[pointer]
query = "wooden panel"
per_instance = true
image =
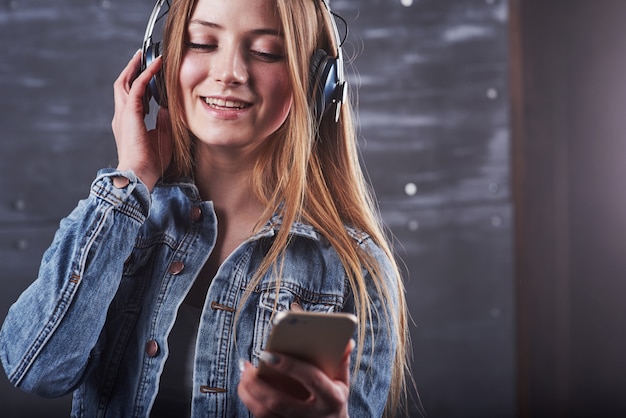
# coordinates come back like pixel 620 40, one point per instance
pixel 569 145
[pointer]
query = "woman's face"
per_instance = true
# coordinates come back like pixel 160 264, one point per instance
pixel 234 77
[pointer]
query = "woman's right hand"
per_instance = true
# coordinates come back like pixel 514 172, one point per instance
pixel 146 153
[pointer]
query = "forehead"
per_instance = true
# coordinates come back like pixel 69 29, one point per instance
pixel 242 15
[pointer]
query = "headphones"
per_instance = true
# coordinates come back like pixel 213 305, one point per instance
pixel 149 52
pixel 326 76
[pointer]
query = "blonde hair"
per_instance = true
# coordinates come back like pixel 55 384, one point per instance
pixel 308 172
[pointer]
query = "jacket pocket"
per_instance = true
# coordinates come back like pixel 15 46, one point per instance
pixel 273 300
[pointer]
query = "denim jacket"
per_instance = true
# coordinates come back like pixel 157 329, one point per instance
pixel 97 318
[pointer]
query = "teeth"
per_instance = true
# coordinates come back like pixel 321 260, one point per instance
pixel 224 103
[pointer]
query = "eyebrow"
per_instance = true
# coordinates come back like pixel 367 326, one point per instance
pixel 259 31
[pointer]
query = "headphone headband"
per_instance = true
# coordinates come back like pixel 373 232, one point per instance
pixel 339 89
pixel 147 38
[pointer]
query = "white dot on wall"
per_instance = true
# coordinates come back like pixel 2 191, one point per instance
pixel 410 189
pixel 492 93
pixel 406 3
pixel 496 221
pixel 19 205
pixel 413 225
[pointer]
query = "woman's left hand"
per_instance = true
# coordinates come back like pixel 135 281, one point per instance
pixel 328 397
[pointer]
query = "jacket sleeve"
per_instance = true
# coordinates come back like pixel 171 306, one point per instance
pixel 49 332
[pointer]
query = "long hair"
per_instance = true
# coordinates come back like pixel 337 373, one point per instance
pixel 308 172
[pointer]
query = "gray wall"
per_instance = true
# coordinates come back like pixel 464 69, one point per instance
pixel 432 90
pixel 434 117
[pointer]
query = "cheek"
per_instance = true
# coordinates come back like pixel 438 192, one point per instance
pixel 190 73
pixel 282 95
pixel 282 107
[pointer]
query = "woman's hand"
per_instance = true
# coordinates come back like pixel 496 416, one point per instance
pixel 327 397
pixel 146 153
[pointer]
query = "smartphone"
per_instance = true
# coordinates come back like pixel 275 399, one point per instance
pixel 319 338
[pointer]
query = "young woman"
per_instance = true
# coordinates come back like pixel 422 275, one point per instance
pixel 157 293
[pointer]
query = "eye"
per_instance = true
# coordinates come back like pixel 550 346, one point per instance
pixel 267 56
pixel 200 47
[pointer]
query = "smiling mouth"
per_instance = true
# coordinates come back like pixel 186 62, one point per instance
pixel 225 104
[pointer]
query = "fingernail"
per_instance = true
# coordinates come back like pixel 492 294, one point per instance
pixel 138 51
pixel 269 358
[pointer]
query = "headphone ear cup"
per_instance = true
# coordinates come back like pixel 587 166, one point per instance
pixel 322 81
pixel 156 87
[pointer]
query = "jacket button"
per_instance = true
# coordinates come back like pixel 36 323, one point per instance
pixel 176 267
pixel 196 213
pixel 152 348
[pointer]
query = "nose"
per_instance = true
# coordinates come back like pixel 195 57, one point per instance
pixel 230 66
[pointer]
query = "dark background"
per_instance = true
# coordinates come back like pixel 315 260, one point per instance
pixel 492 131
pixel 569 147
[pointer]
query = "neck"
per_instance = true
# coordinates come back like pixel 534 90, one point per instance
pixel 226 180
pixel 227 183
